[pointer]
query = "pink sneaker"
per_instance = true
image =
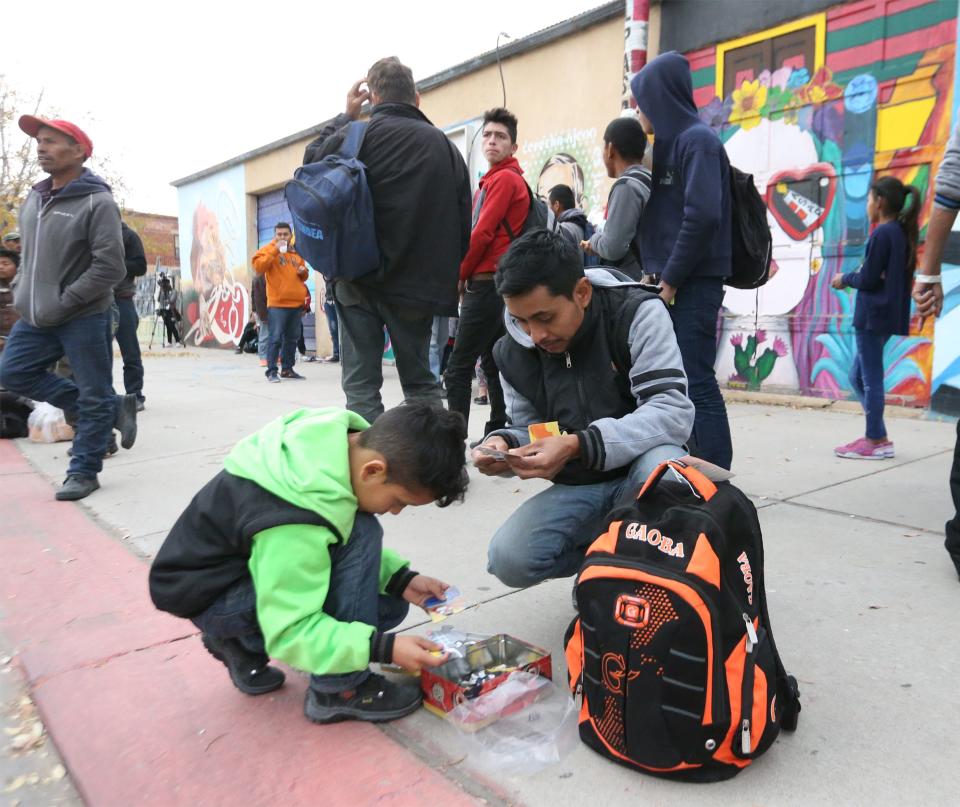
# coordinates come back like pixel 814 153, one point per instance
pixel 864 449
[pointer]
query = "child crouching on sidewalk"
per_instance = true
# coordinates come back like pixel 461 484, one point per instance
pixel 280 554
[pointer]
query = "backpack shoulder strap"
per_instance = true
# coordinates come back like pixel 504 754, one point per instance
pixel 353 139
pixel 506 224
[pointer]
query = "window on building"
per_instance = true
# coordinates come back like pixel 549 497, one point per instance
pixel 795 49
pixel 176 246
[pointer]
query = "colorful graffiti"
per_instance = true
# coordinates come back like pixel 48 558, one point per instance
pixel 861 90
pixel 216 277
pixel 570 158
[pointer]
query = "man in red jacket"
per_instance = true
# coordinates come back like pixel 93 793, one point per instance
pixel 499 210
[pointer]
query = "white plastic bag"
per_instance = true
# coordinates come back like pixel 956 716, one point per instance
pixel 48 425
pixel 534 725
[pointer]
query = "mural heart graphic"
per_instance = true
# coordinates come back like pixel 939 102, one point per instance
pixel 800 199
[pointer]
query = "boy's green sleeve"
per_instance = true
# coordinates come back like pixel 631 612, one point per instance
pixel 390 564
pixel 290 566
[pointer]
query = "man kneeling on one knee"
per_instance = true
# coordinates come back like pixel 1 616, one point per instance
pixel 597 353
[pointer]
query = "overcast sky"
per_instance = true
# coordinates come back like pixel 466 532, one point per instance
pixel 168 88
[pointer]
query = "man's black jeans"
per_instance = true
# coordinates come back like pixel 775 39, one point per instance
pixel 481 325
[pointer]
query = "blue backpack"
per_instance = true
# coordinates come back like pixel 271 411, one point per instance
pixel 332 211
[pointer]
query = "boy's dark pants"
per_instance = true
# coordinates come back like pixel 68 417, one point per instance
pixel 353 596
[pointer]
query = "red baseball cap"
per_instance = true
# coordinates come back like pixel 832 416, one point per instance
pixel 32 124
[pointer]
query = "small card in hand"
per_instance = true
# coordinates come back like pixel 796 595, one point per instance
pixel 452 603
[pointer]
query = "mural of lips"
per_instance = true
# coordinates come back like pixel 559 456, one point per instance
pixel 800 199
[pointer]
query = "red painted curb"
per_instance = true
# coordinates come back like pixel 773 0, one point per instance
pixel 142 715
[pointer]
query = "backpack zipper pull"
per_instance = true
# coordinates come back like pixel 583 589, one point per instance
pixel 752 640
pixel 745 745
pixel 567 357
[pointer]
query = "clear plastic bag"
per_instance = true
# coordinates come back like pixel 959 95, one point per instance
pixel 48 425
pixel 528 724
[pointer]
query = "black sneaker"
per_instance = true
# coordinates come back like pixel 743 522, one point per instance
pixel 76 487
pixel 126 421
pixel 376 700
pixel 250 672
pixel 141 404
pixel 273 378
pixel 292 374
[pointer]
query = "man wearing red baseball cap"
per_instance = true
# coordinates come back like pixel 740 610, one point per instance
pixel 72 258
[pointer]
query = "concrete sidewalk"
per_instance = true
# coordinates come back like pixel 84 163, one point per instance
pixel 862 596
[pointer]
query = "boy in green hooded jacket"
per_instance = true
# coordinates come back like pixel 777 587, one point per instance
pixel 280 555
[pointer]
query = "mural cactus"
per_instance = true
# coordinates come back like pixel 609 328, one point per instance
pixel 752 369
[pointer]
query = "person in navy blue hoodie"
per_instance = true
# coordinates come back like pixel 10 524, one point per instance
pixel 883 286
pixel 685 236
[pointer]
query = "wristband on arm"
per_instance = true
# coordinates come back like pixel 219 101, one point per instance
pixel 927 278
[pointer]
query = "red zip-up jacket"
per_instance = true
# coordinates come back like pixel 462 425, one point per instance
pixel 502 195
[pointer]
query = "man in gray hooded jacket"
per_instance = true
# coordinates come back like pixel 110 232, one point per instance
pixel 596 353
pixel 72 259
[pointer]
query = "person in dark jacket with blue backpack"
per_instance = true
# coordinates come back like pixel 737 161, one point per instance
pixel 685 236
pixel 422 214
pixel 883 304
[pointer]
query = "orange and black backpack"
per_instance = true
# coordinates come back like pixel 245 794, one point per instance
pixel 672 650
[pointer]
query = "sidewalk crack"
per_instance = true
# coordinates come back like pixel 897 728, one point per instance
pixel 100 662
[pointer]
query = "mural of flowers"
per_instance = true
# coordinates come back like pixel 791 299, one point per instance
pixel 748 102
pixel 820 88
pixel 752 369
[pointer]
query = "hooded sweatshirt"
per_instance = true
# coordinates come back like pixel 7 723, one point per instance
pixel 685 229
pixel 302 459
pixel 285 287
pixel 72 251
pixel 572 225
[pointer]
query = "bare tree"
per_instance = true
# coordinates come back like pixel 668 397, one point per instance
pixel 19 169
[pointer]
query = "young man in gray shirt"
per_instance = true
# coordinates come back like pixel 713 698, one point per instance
pixel 618 244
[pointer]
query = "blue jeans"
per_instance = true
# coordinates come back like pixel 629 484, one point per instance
pixel 866 378
pixel 352 596
pixel 87 398
pixel 330 309
pixel 439 334
pixel 130 347
pixel 548 534
pixel 263 339
pixel 694 313
pixel 284 325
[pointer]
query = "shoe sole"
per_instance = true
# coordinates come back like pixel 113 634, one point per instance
pixel 246 689
pixel 854 456
pixel 328 714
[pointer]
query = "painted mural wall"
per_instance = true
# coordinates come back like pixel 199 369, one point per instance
pixel 816 109
pixel 213 248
